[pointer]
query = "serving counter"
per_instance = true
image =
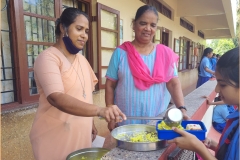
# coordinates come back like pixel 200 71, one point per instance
pixel 196 108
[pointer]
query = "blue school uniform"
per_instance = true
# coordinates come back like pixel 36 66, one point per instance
pixel 203 75
pixel 220 113
pixel 214 62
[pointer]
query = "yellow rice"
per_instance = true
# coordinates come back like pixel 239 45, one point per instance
pixel 163 126
pixel 139 137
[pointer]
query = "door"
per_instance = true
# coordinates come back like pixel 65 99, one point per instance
pixel 165 36
pixel 108 38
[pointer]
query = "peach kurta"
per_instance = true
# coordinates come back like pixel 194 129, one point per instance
pixel 56 134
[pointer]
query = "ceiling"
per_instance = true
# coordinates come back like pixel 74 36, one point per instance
pixel 215 18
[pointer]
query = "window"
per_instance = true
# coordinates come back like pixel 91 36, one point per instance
pixel 200 51
pixel 109 33
pixel 184 54
pixel 39 27
pixel 8 79
pixel 194 55
pixel 201 34
pixel 167 12
pixel 157 37
pixel 28 28
pixel 121 32
pixel 160 7
pixel 186 24
pixel 176 45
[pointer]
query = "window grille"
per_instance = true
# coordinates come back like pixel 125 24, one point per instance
pixel 187 25
pixel 8 80
pixel 201 34
pixel 160 7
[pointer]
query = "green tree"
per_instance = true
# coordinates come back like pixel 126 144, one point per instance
pixel 223 45
pixel 236 38
pixel 213 44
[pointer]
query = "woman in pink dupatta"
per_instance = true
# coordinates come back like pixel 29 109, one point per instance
pixel 142 75
pixel 65 81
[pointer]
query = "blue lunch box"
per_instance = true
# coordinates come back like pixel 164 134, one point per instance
pixel 170 134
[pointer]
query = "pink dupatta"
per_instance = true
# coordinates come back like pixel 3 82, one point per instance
pixel 163 67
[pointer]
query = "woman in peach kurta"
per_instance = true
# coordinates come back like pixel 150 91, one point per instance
pixel 54 130
pixel 65 81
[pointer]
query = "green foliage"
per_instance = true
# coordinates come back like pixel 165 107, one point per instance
pixel 236 38
pixel 221 46
pixel 236 41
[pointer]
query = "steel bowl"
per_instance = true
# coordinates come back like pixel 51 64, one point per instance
pixel 173 117
pixel 137 146
pixel 88 154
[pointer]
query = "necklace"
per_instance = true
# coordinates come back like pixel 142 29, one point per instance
pixel 82 84
pixel 144 53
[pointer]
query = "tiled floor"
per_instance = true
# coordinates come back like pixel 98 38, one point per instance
pixel 101 125
pixel 15 128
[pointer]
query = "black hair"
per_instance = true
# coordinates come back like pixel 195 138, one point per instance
pixel 228 66
pixel 67 17
pixel 214 54
pixel 143 9
pixel 205 52
pixel 217 55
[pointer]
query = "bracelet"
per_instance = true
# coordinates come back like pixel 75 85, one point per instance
pixel 182 107
pixel 109 105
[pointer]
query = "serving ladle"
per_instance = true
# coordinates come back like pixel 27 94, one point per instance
pixel 173 117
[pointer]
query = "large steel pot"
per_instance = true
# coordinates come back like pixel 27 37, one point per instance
pixel 88 154
pixel 137 146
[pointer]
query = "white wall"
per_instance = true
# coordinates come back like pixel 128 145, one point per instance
pixel 127 13
pixel 128 10
pixel 207 118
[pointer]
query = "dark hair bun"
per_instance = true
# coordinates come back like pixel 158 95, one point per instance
pixel 67 17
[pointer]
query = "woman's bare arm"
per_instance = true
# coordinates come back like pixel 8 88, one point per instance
pixel 174 88
pixel 71 105
pixel 109 91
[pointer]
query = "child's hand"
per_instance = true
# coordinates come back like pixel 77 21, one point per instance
pixel 187 141
pixel 207 99
pixel 204 96
pixel 207 142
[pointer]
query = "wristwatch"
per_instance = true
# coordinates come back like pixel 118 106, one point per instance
pixel 182 107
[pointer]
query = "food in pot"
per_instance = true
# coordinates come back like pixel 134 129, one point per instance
pixel 86 158
pixel 142 136
pixel 193 127
pixel 163 125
